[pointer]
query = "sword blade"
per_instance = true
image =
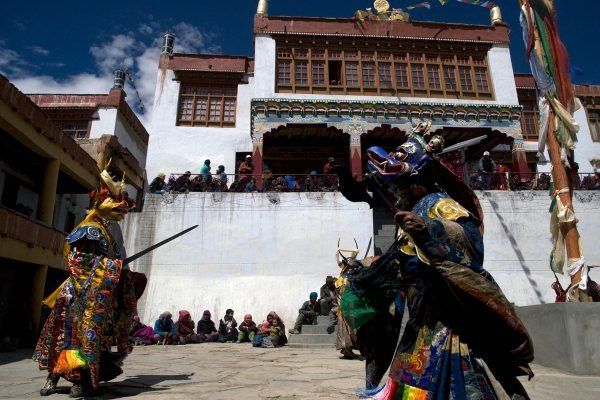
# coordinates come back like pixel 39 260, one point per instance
pixel 157 245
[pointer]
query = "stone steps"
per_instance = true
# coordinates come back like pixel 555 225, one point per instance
pixel 313 335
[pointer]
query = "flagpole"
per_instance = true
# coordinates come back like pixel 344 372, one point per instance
pixel 562 188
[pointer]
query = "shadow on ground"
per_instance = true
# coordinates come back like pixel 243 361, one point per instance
pixel 139 384
pixel 7 357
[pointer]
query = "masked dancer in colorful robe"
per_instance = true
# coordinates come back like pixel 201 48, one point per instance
pixel 463 339
pixel 93 309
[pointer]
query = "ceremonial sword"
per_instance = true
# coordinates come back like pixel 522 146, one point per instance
pixel 50 300
pixel 157 245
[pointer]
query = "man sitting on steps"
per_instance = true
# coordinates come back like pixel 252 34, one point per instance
pixel 308 314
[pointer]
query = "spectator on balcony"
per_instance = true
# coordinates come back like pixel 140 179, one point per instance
pixel 220 180
pixel 487 166
pixel 251 186
pixel 228 328
pixel 158 184
pixel 503 177
pixel 327 296
pixel 247 330
pixel 329 166
pixel 308 313
pixel 183 183
pixel 292 184
pixel 543 182
pixel 205 171
pixel 207 329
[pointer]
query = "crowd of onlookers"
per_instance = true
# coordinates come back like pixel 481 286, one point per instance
pixel 487 175
pixel 492 175
pixel 245 180
pixel 166 331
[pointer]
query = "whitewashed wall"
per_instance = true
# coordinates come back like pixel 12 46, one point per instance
pixel 586 150
pixel 253 253
pixel 261 252
pixel 517 241
pixel 176 149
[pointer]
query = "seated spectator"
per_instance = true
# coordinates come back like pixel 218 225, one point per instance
pixel 220 179
pixel 327 295
pixel 164 328
pixel 291 183
pixel 140 333
pixel 206 328
pixel 197 184
pixel 184 329
pixel 273 330
pixel 227 328
pixel 158 184
pixel 329 166
pixel 307 315
pixel 183 183
pixel 247 330
pixel 246 166
pixel 251 186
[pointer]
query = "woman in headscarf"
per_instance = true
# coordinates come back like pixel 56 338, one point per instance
pixel 207 329
pixel 227 328
pixel 164 328
pixel 271 333
pixel 248 330
pixel 184 329
pixel 140 333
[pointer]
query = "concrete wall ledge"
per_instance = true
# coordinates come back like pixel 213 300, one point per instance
pixel 566 336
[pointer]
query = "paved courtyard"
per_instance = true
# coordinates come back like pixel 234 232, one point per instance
pixel 230 371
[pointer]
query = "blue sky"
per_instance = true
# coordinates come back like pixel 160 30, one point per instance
pixel 62 46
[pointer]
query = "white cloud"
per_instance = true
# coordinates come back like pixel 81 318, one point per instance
pixel 40 51
pixel 139 55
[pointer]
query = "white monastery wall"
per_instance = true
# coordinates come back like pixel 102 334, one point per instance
pixel 105 124
pixel 586 149
pixel 517 241
pixel 254 253
pixel 502 75
pixel 261 252
pixel 176 149
pixel 129 139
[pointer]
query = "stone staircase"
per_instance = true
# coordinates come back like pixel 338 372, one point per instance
pixel 383 230
pixel 313 335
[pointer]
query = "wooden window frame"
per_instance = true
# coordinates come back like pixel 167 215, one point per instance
pixel 220 123
pixel 405 55
pixel 73 133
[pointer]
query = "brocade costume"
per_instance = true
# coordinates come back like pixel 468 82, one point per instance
pixel 458 316
pixel 93 309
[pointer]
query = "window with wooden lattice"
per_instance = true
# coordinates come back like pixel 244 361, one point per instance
pixel 207 105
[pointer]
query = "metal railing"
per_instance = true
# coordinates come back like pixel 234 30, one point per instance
pixel 267 182
pixel 532 181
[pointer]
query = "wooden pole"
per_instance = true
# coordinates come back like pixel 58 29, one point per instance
pixel 561 181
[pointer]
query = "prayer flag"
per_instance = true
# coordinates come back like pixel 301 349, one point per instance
pixel 424 4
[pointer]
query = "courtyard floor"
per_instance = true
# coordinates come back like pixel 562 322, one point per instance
pixel 231 371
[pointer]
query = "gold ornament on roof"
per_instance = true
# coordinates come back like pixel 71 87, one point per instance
pixel 382 6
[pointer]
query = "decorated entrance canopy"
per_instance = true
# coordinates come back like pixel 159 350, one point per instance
pixel 359 117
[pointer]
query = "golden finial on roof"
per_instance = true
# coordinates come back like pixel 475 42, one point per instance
pixel 496 15
pixel 262 7
pixel 382 6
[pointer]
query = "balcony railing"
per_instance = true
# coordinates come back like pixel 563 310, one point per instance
pixel 268 183
pixel 252 183
pixel 533 181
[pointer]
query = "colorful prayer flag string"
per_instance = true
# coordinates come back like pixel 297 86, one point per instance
pixel 424 4
pixel 486 4
pixel 130 76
